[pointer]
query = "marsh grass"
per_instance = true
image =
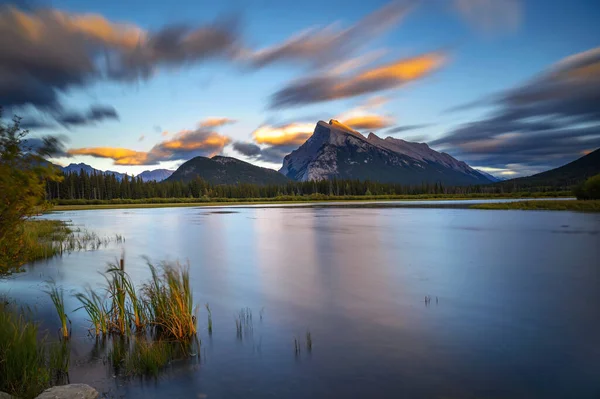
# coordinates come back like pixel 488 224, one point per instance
pixel 209 318
pixel 96 310
pixel 243 322
pixel 308 341
pixel 27 366
pixel 143 356
pixel 43 239
pixel 57 296
pixel 170 302
pixel 163 306
pixel 541 205
pixel 296 346
pixel 59 358
pixel 117 295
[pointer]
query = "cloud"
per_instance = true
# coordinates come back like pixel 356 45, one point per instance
pixel 248 149
pixel 285 135
pixel 53 146
pixel 183 146
pixel 364 117
pixel 324 88
pixel 96 113
pixel 545 122
pixel 491 15
pixel 405 128
pixel 216 122
pixel 272 154
pixel 331 44
pixel 46 52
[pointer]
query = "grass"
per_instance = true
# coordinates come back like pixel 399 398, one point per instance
pixel 164 305
pixel 170 301
pixel 140 357
pixel 96 310
pixel 43 239
pixel 57 296
pixel 27 366
pixel 69 205
pixel 243 322
pixel 565 205
pixel 209 313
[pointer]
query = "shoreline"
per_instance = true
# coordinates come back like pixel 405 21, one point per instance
pixel 516 203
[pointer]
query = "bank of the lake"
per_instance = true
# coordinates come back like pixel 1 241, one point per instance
pixel 78 205
pixel 543 205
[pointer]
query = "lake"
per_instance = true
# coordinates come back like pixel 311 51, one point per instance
pixel 515 309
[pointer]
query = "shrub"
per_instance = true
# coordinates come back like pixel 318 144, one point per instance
pixel 589 190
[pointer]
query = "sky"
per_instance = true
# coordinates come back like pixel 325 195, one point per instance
pixel 511 87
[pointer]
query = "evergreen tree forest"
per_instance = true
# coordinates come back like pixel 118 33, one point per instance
pixel 106 187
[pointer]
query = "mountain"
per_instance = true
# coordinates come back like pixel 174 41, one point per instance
pixel 491 177
pixel 77 167
pixel 155 175
pixel 566 176
pixel 226 170
pixel 335 150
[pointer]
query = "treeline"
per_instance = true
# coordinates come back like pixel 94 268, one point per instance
pixel 96 186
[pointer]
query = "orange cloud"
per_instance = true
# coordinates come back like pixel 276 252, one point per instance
pixel 121 156
pixel 395 73
pixel 364 116
pixel 291 134
pixel 44 24
pixel 368 122
pixel 324 88
pixel 184 145
pixel 216 122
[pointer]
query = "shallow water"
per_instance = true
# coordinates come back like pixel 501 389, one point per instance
pixel 517 313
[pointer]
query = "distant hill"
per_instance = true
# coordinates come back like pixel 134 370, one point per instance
pixel 155 175
pixel 226 170
pixel 77 167
pixel 336 151
pixel 566 176
pixel 490 177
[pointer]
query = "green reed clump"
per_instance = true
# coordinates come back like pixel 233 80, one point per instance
pixel 148 357
pixel 170 301
pixel 117 295
pixel 26 367
pixel 57 296
pixel 209 318
pixel 243 322
pixel 96 310
pixel 164 304
pixel 308 341
pixel 137 308
pixel 142 357
pixel 59 358
pixel 296 346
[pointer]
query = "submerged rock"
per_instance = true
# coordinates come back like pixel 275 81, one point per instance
pixel 73 391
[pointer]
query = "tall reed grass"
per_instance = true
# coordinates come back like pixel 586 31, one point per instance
pixel 27 366
pixel 164 305
pixel 170 301
pixel 57 297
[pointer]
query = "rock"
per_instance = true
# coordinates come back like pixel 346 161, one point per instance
pixel 4 395
pixel 73 391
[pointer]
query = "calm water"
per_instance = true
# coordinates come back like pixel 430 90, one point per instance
pixel 518 311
